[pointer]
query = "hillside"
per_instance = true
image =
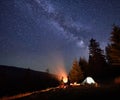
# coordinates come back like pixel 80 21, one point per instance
pixel 14 80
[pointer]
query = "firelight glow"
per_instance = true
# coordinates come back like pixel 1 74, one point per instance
pixel 62 73
pixel 59 67
pixel 65 80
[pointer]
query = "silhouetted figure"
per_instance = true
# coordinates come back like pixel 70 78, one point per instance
pixel 68 82
pixel 61 83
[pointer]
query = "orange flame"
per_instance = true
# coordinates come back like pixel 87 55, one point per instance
pixel 65 80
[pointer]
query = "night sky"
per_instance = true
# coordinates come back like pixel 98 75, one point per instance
pixel 41 34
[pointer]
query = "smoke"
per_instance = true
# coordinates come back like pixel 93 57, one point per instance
pixel 58 67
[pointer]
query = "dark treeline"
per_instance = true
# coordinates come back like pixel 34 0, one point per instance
pixel 102 65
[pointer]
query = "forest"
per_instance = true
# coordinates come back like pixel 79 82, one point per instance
pixel 102 65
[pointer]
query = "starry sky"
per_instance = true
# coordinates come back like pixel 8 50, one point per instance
pixel 41 34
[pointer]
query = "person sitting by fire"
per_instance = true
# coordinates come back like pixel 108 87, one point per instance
pixel 62 84
pixel 68 80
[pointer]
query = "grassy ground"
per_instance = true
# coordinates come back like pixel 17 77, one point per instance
pixel 76 93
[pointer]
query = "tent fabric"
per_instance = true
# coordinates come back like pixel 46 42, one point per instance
pixel 88 80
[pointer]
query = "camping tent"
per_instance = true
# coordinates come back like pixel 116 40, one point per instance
pixel 88 80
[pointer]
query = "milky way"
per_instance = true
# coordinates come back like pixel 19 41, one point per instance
pixel 33 33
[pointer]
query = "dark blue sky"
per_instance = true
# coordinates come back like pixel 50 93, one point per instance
pixel 40 34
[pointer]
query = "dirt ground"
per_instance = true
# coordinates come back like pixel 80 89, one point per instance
pixel 76 93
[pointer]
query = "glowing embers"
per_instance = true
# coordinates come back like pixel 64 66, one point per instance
pixel 75 84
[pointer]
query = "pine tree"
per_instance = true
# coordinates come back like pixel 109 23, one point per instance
pixel 113 49
pixel 84 66
pixel 75 74
pixel 97 61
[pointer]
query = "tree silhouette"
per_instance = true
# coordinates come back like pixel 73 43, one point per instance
pixel 113 49
pixel 84 66
pixel 75 74
pixel 97 62
pixel 113 52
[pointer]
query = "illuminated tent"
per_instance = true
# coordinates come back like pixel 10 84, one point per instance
pixel 88 80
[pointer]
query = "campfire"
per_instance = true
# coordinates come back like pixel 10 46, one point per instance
pixel 63 82
pixel 62 76
pixel 65 79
